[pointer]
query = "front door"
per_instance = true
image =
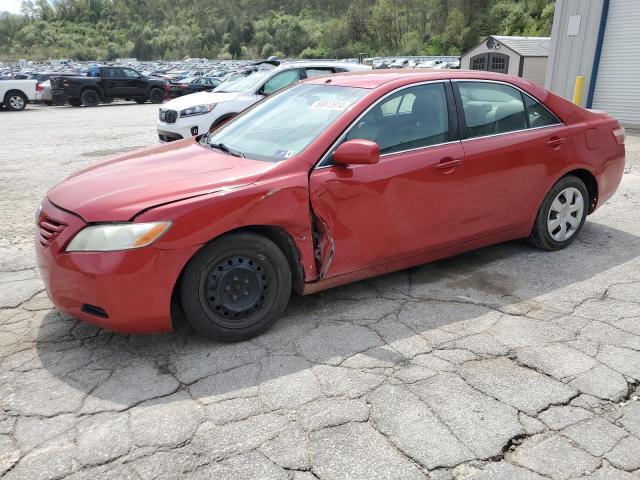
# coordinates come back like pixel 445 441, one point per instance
pixel 131 83
pixel 512 145
pixel 406 204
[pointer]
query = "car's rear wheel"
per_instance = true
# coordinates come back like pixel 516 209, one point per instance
pixel 236 287
pixel 561 215
pixel 90 98
pixel 16 101
pixel 156 95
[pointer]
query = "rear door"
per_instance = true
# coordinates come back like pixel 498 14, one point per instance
pixel 110 81
pixel 512 146
pixel 406 204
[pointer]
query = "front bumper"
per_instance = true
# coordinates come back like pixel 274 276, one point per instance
pixel 182 128
pixel 127 291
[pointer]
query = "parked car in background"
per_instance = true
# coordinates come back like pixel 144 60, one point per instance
pixel 197 113
pixel 322 184
pixel 43 87
pixel 103 84
pixel 16 94
pixel 191 85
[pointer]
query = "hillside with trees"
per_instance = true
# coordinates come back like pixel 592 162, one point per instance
pixel 174 29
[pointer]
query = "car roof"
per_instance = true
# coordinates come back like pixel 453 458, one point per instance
pixel 376 78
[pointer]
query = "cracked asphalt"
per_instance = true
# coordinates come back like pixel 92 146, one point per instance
pixel 502 364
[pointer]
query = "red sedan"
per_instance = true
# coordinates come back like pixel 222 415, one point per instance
pixel 327 182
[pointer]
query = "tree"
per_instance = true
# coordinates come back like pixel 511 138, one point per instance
pixel 171 29
pixel 235 48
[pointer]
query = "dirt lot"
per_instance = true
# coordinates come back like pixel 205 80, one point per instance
pixel 505 363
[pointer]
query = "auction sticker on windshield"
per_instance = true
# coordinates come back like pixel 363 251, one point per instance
pixel 329 105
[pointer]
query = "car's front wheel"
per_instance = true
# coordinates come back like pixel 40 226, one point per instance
pixel 561 215
pixel 236 287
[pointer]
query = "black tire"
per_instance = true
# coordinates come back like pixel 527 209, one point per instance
pixel 156 95
pixel 90 98
pixel 15 101
pixel 236 287
pixel 541 237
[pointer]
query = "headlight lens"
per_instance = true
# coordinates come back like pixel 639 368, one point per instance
pixel 117 236
pixel 197 110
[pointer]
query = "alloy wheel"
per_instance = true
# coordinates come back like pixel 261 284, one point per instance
pixel 16 102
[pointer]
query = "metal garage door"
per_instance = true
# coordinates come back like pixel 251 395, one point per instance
pixel 618 83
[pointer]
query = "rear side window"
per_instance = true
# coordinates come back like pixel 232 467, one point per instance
pixel 539 116
pixel 491 108
pixel 318 72
pixel 281 80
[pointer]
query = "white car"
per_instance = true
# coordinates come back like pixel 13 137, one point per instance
pixel 198 113
pixel 15 94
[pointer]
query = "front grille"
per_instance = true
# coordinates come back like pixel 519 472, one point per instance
pixel 48 230
pixel 168 116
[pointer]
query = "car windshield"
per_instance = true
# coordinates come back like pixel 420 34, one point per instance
pixel 284 124
pixel 242 81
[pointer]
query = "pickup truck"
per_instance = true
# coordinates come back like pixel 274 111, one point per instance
pixel 15 94
pixel 103 84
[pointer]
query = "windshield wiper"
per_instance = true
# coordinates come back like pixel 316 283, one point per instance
pixel 223 148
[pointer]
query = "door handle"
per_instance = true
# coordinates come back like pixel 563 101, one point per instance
pixel 556 142
pixel 448 163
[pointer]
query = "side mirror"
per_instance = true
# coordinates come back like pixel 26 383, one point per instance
pixel 357 152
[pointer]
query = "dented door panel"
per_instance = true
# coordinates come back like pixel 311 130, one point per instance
pixel 368 215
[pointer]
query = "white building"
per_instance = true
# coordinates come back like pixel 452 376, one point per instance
pixel 522 56
pixel 600 40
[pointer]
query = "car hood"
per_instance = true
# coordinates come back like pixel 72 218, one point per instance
pixel 199 98
pixel 119 188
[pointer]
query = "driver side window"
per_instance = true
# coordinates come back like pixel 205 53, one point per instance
pixel 414 117
pixel 129 73
pixel 280 80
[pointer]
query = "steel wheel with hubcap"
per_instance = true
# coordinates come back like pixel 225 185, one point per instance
pixel 561 214
pixel 236 287
pixel 565 214
pixel 16 102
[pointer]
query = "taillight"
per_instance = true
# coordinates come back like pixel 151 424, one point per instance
pixel 619 134
pixel 39 87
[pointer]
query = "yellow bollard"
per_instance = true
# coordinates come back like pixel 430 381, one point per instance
pixel 577 90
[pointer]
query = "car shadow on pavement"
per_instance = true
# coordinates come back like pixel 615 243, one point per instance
pixel 339 341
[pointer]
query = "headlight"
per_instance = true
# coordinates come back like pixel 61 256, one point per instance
pixel 197 110
pixel 117 236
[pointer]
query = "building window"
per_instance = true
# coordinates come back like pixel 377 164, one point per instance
pixel 479 62
pixel 497 63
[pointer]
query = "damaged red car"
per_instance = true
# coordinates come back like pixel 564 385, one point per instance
pixel 327 182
